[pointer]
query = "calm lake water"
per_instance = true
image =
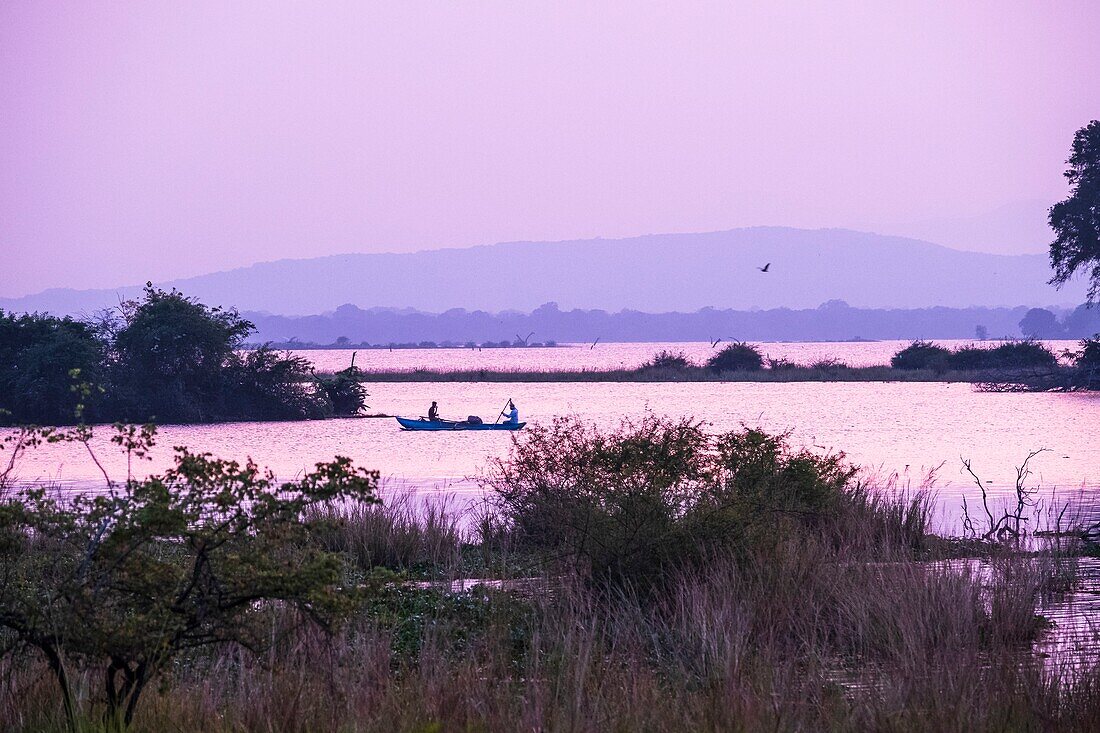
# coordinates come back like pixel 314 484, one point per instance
pixel 571 357
pixel 896 431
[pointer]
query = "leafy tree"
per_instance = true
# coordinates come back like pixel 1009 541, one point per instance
pixel 1083 322
pixel 261 384
pixel 178 360
pixel 738 356
pixel 50 369
pixel 1076 220
pixel 1039 323
pixel 125 580
pixel 1087 364
pixel 171 352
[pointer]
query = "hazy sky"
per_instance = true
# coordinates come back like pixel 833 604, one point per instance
pixel 151 140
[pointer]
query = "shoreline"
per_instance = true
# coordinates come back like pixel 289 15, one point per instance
pixel 994 378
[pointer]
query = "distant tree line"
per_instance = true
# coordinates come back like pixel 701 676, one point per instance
pixel 164 358
pixel 351 326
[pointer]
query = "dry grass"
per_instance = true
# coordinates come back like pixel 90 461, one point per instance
pixel 799 637
pixel 847 627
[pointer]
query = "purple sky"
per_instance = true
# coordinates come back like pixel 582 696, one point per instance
pixel 152 140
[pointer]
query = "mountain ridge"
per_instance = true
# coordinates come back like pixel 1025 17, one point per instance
pixel 654 272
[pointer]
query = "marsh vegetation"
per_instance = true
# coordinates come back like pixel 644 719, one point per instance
pixel 654 577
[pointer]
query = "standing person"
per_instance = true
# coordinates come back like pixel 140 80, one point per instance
pixel 512 412
pixel 433 412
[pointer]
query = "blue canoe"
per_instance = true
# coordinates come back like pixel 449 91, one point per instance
pixel 408 423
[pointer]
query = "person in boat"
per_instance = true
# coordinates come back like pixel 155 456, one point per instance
pixel 433 412
pixel 512 413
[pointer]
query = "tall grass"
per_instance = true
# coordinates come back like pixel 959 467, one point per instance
pixel 837 618
pixel 405 532
pixel 793 640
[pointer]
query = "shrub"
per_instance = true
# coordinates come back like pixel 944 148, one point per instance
pixel 264 385
pixel 738 356
pixel 970 358
pixel 921 355
pixel 630 506
pixel 829 364
pixel 780 364
pixel 127 580
pixel 667 361
pixel 1019 354
pixel 344 390
pixel 1086 363
pixel 51 369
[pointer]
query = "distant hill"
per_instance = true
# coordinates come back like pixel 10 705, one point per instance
pixel 661 272
pixel 832 321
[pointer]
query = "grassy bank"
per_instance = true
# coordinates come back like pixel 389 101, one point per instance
pixel 650 578
pixel 791 374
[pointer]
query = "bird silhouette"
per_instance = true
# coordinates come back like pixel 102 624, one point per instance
pixel 765 267
pixel 714 342
pixel 594 343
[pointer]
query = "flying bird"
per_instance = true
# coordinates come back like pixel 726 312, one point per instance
pixel 714 342
pixel 765 267
pixel 594 343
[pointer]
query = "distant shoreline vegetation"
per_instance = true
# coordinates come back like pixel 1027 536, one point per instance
pixel 339 344
pixel 170 359
pixel 165 358
pixel 834 320
pixel 1021 365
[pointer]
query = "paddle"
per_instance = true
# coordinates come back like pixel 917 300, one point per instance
pixel 502 411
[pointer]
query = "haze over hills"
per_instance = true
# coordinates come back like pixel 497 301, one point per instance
pixel 655 273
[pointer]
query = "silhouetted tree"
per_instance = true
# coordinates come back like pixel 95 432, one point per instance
pixel 171 353
pixel 1039 323
pixel 737 356
pixel 1076 220
pixel 51 369
pixel 921 355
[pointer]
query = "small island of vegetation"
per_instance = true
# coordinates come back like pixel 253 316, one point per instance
pixel 164 358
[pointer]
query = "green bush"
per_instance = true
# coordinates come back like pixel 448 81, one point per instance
pixel 261 384
pixel 629 507
pixel 344 390
pixel 1086 364
pixel 166 357
pixel 123 582
pixel 665 360
pixel 51 369
pixel 829 364
pixel 972 358
pixel 921 355
pixel 1007 355
pixel 738 356
pixel 1020 354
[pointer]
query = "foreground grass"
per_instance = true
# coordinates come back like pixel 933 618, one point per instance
pixel 798 638
pixel 653 578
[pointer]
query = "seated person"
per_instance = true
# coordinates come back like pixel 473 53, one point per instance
pixel 433 412
pixel 512 413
